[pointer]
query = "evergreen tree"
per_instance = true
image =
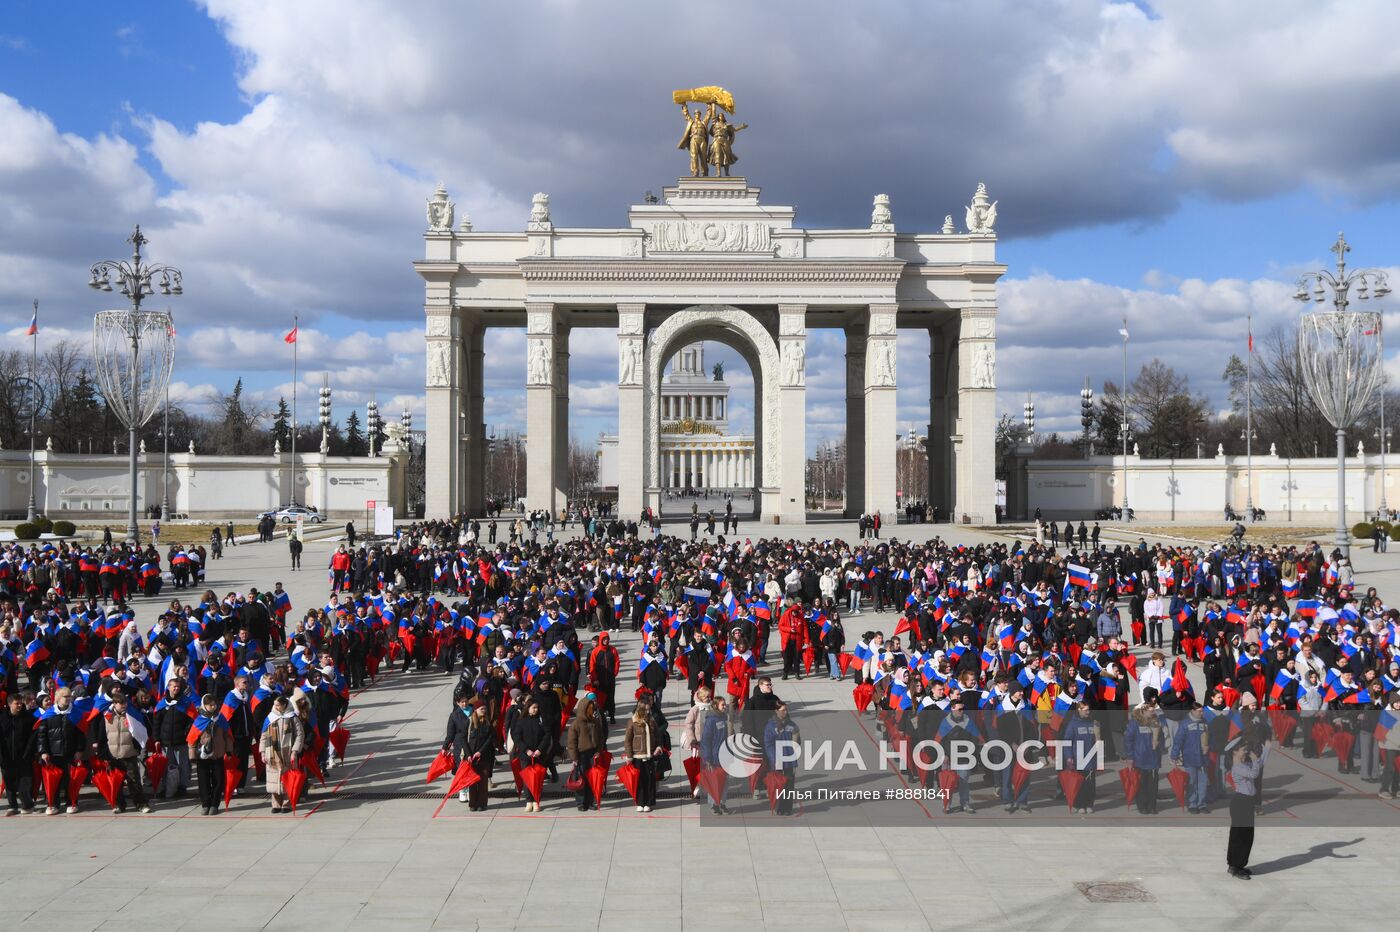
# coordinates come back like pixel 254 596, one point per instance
pixel 282 424
pixel 354 435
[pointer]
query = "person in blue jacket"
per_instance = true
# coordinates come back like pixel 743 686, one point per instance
pixel 1191 751
pixel 1143 744
pixel 712 738
pixel 782 728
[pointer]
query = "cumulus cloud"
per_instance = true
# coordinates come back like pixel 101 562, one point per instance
pixel 1077 113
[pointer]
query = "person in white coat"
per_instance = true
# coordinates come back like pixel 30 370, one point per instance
pixel 1154 612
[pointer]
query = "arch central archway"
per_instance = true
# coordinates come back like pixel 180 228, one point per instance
pixel 742 332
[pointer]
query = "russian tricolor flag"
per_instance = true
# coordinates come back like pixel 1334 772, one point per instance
pixel 1307 608
pixel 1080 576
pixel 1291 588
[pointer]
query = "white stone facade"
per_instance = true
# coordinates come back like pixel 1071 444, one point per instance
pixel 709 262
pixel 696 449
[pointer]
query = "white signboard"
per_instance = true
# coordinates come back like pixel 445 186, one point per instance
pixel 383 519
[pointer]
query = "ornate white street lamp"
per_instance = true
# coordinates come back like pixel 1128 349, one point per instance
pixel 1340 355
pixel 134 350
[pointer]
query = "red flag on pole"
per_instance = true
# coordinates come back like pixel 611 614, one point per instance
pixel 291 336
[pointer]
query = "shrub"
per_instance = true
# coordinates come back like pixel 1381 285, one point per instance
pixel 1362 530
pixel 27 531
pixel 64 528
pixel 44 525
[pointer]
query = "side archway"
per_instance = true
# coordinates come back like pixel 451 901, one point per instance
pixel 740 330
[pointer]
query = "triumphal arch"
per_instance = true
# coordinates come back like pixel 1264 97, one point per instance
pixel 708 260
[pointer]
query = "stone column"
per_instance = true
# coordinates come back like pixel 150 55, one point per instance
pixel 976 462
pixel 855 421
pixel 791 447
pixel 940 444
pixel 881 424
pixel 541 407
pixel 474 485
pixel 445 408
pixel 632 414
pixel 561 416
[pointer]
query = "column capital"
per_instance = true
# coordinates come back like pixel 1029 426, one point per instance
pixel 540 318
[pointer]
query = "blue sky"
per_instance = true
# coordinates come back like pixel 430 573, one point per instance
pixel 1165 160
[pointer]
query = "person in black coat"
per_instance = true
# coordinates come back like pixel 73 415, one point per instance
pixel 700 666
pixel 60 744
pixel 531 742
pixel 17 744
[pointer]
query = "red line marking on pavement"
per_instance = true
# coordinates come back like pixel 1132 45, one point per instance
pixel 1333 777
pixel 336 789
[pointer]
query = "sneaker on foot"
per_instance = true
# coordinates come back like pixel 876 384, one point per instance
pixel 72 810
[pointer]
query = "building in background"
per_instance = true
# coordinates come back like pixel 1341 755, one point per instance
pixel 697 450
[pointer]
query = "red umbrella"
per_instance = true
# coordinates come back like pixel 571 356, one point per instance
pixel 258 763
pixel 947 782
pixel 627 775
pixel 440 765
pixel 1321 734
pixel 775 782
pixel 1179 779
pixel 597 778
pixel 339 739
pixel 156 765
pixel 1342 741
pixel 1071 781
pixel 757 774
pixel 1131 779
pixel 1283 724
pixel 809 658
pixel 293 781
pixel 109 784
pixel 312 766
pixel 232 776
pixel 515 769
pixel 372 666
pixel 1019 776
pixel 713 780
pixel 77 776
pixel 863 694
pixel 53 779
pixel 844 661
pixel 692 771
pixel 603 759
pixel 466 778
pixel 533 778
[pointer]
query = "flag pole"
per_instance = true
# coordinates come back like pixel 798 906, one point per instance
pixel 1249 419
pixel 296 338
pixel 33 408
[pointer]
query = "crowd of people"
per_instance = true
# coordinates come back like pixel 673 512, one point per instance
pixel 1013 640
pixel 210 695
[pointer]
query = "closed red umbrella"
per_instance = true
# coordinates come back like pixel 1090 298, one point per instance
pixel 1019 776
pixel 844 661
pixel 1131 779
pixel 1342 741
pixel 232 775
pixel 603 759
pixel 1071 781
pixel 466 778
pixel 757 774
pixel 339 739
pixel 533 778
pixel 515 769
pixel 628 775
pixel 1321 734
pixel 692 767
pixel 109 784
pixel 1179 779
pixel 312 766
pixel 713 779
pixel 77 776
pixel 440 765
pixel 1283 724
pixel 293 782
pixel 863 694
pixel 156 765
pixel 53 780
pixel 775 782
pixel 259 765
pixel 948 783
pixel 597 778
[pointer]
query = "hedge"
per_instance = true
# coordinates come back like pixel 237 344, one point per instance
pixel 27 531
pixel 1362 530
pixel 64 528
pixel 44 525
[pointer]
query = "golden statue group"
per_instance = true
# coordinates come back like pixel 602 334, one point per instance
pixel 708 134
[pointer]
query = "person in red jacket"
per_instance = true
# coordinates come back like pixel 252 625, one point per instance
pixel 603 666
pixel 340 565
pixel 792 628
